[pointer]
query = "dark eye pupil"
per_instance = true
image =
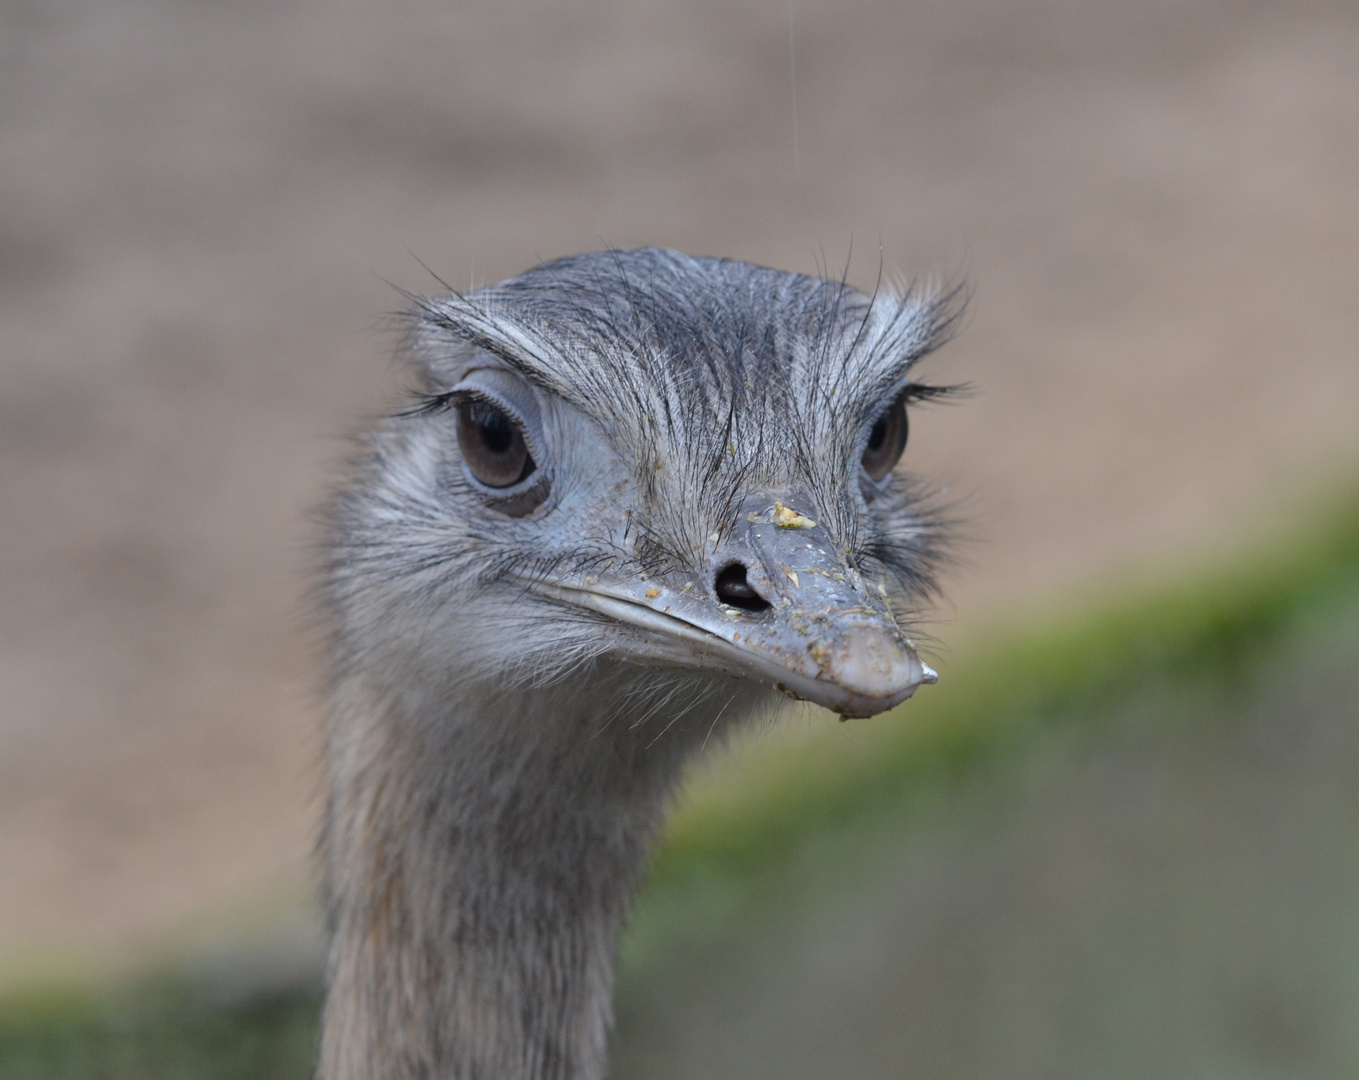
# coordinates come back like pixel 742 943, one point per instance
pixel 492 444
pixel 886 440
pixel 497 432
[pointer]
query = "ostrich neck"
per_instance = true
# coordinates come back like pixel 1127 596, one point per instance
pixel 480 857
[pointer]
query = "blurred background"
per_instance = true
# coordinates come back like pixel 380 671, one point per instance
pixel 203 209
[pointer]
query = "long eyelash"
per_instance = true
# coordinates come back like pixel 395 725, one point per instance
pixel 426 404
pixel 921 392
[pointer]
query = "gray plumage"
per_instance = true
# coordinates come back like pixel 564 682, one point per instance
pixel 635 497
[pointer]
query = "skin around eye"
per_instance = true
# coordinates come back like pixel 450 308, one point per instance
pixel 886 441
pixel 492 444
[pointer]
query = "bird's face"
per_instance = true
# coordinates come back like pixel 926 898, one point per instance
pixel 727 501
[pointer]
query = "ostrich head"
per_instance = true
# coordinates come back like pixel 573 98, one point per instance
pixel 638 496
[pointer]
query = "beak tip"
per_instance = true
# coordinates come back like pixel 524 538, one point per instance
pixel 873 663
pixel 873 672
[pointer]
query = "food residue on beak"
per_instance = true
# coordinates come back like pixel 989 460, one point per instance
pixel 651 594
pixel 785 517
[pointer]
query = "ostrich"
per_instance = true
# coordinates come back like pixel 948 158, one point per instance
pixel 638 496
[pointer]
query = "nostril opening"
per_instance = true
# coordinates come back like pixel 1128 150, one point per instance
pixel 734 590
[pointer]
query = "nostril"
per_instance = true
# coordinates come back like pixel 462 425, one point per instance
pixel 733 589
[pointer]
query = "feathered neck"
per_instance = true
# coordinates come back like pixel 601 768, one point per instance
pixel 480 856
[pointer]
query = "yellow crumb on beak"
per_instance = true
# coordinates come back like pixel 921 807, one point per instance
pixel 651 594
pixel 785 517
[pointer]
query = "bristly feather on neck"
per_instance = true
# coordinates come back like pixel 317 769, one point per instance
pixel 482 859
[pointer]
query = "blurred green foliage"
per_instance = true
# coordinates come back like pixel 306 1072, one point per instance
pixel 159 1029
pixel 748 824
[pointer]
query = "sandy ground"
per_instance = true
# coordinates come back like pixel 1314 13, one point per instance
pixel 200 204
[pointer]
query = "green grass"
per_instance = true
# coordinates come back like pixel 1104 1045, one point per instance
pixel 995 715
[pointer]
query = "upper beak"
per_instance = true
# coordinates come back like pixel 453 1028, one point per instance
pixel 807 623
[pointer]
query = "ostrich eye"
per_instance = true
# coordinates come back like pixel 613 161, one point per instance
pixel 886 441
pixel 492 444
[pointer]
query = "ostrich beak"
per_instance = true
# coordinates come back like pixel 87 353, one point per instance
pixel 776 602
